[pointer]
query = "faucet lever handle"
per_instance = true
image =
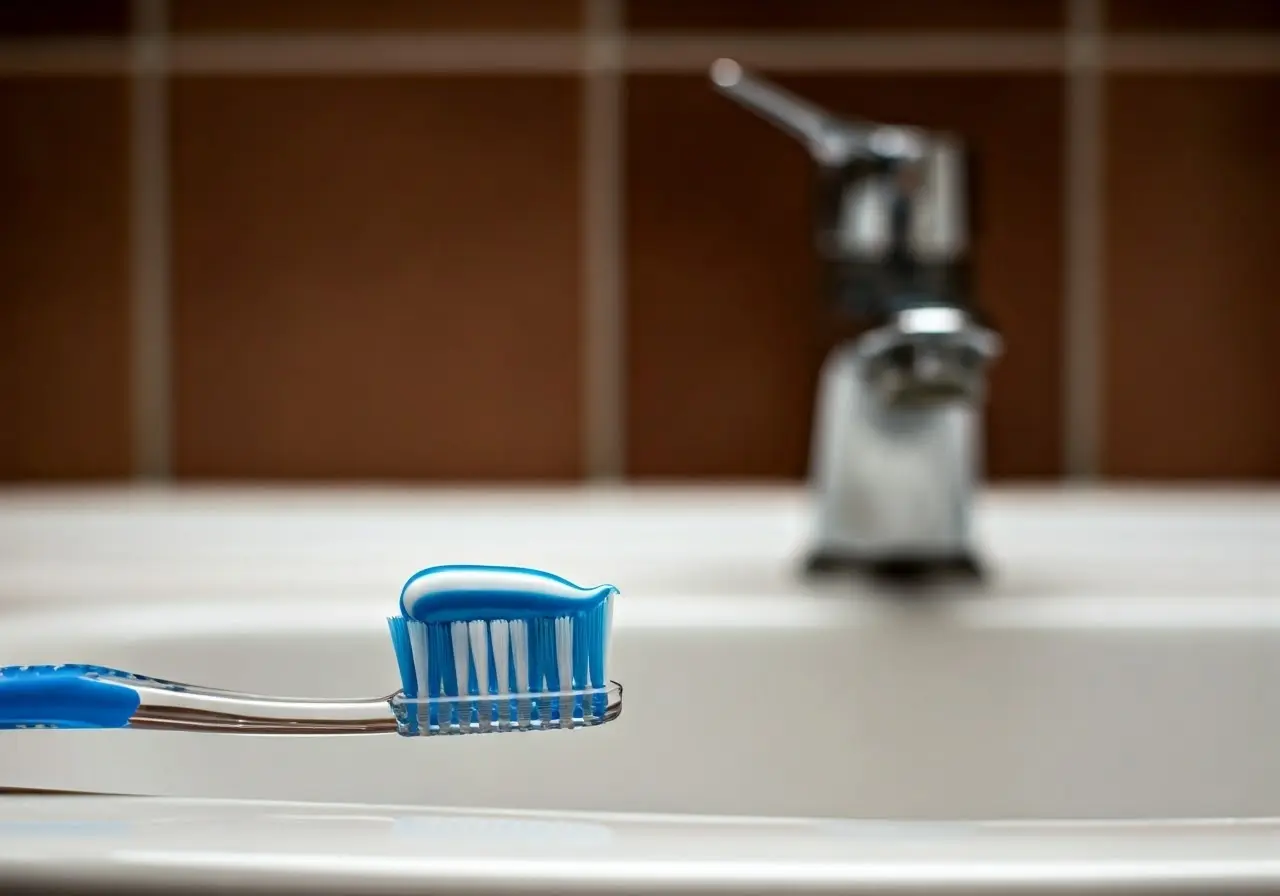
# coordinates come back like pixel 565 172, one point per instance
pixel 831 140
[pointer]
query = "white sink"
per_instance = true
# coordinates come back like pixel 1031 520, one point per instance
pixel 1102 715
pixel 1123 663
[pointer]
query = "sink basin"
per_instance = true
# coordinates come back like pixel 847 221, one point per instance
pixel 1123 663
pixel 798 705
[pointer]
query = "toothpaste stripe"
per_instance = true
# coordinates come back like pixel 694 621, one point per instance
pixel 488 578
pixel 430 583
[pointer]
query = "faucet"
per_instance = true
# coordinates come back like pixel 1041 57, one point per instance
pixel 895 450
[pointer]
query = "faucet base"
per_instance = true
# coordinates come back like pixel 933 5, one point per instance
pixel 831 563
pixel 893 481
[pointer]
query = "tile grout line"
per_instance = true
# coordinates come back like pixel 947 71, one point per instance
pixel 603 342
pixel 1084 291
pixel 149 257
pixel 671 52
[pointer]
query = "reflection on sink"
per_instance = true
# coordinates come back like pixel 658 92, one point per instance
pixel 799 705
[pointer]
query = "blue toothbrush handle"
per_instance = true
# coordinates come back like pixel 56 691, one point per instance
pixel 82 696
pixel 65 697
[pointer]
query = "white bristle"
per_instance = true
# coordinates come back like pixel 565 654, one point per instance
pixel 564 652
pixel 564 664
pixel 520 660
pixel 479 632
pixel 418 643
pixel 499 640
pixel 461 653
pixel 520 653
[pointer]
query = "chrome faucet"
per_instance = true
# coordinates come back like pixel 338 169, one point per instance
pixel 895 446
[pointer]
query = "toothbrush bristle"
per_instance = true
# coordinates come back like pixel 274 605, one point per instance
pixel 490 672
pixel 500 647
pixel 520 655
pixel 404 654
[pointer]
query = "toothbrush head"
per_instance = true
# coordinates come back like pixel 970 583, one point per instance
pixel 494 649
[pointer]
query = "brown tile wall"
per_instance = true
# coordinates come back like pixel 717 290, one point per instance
pixel 1192 371
pixel 64 278
pixel 1193 15
pixel 63 18
pixel 378 276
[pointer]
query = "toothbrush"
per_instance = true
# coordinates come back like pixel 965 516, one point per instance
pixel 480 649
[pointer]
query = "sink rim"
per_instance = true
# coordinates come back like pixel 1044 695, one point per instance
pixel 353 848
pixel 802 611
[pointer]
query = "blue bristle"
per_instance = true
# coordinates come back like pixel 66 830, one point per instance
pixel 596 645
pixel 535 657
pixel 581 654
pixel 448 670
pixel 581 649
pixel 441 652
pixel 493 670
pixel 404 654
pixel 404 661
pixel 473 685
pixel 511 674
pixel 547 645
pixel 433 672
pixel 546 633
